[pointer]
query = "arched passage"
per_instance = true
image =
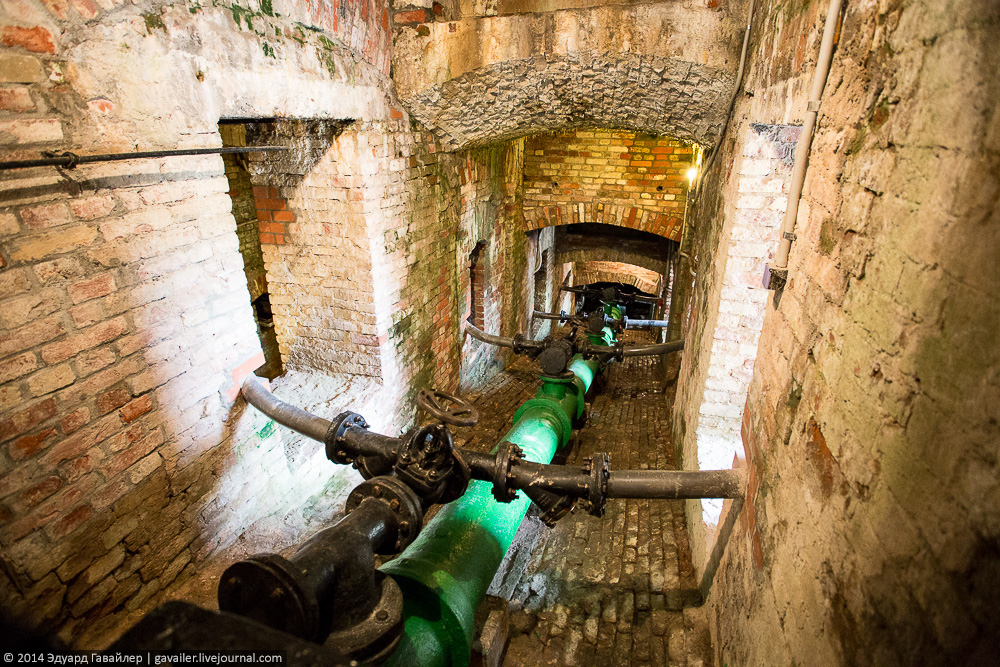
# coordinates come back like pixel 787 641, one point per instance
pixel 515 98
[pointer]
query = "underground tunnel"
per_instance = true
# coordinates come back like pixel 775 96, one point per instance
pixel 492 332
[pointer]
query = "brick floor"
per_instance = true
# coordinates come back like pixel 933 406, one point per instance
pixel 608 591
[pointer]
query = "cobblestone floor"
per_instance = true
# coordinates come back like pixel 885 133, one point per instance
pixel 602 591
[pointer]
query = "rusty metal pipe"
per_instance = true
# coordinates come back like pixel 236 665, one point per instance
pixel 675 484
pixel 483 337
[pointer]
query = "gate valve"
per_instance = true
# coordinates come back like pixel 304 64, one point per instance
pixel 430 465
pixel 556 356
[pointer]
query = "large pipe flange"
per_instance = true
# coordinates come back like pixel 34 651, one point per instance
pixel 599 467
pixel 335 434
pixel 401 500
pixel 508 454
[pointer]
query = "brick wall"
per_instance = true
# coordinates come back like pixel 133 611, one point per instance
pixel 869 425
pixel 611 177
pixel 126 325
pixel 729 348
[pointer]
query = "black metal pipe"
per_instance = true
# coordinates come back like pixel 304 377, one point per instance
pixel 675 484
pixel 650 350
pixel 285 414
pixel 362 442
pixel 482 336
pixel 70 160
pixel 561 479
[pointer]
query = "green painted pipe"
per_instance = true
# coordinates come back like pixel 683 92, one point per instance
pixel 444 574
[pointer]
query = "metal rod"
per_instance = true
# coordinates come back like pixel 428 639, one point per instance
pixel 675 484
pixel 630 323
pixel 551 316
pixel 285 414
pixel 70 160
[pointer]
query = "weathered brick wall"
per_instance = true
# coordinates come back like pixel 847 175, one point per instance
pixel 490 211
pixel 720 373
pixel 870 426
pixel 611 177
pixel 126 319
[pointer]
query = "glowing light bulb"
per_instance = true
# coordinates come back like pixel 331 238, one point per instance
pixel 692 174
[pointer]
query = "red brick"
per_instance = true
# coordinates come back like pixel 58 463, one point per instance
pixel 35 39
pixel 264 216
pixel 81 465
pixel 84 340
pixel 74 420
pixel 81 442
pixel 279 239
pixel 27 419
pixel 87 313
pixel 58 8
pixel 272 227
pixel 101 105
pixel 137 408
pixel 267 239
pixel 30 445
pixel 93 360
pixel 49 215
pixel 30 335
pixel 272 204
pixel 15 367
pixel 125 458
pixel 414 16
pixel 395 113
pixel 70 522
pixel 385 19
pixel 39 492
pixel 260 191
pixel 90 208
pixel 112 400
pixel 92 288
pixel 15 98
pixel 283 216
pixel 86 8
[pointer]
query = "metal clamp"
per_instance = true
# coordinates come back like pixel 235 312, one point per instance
pixel 508 454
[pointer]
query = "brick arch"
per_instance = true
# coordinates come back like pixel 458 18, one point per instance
pixel 612 255
pixel 585 273
pixel 547 92
pixel 633 217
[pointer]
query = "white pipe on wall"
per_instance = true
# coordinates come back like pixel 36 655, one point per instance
pixel 805 140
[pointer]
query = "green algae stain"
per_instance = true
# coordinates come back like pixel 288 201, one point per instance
pixel 153 22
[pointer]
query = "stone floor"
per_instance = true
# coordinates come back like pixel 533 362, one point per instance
pixel 601 591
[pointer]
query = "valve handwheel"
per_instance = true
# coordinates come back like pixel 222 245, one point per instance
pixel 447 408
